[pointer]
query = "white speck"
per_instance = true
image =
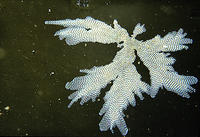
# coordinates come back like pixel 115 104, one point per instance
pixel 85 44
pixel 33 51
pixel 7 108
pixel 138 62
pixel 35 25
pixel 98 99
pixel 52 73
pixel 49 10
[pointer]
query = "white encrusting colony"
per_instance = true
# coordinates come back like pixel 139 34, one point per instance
pixel 126 80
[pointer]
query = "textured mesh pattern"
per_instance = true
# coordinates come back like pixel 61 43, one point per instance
pixel 139 29
pixel 116 101
pixel 88 30
pixel 89 86
pixel 126 80
pixel 173 41
pixel 163 74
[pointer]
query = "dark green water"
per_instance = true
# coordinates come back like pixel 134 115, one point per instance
pixel 34 67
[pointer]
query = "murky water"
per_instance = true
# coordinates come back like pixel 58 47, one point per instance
pixel 34 67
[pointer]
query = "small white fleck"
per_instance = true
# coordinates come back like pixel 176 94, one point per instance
pixel 52 73
pixel 49 10
pixel 7 108
pixel 85 44
pixel 98 99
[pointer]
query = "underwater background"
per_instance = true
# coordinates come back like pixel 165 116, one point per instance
pixel 35 65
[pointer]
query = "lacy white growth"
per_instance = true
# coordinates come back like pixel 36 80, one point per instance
pixel 126 80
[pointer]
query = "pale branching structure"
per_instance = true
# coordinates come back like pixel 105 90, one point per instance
pixel 126 80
